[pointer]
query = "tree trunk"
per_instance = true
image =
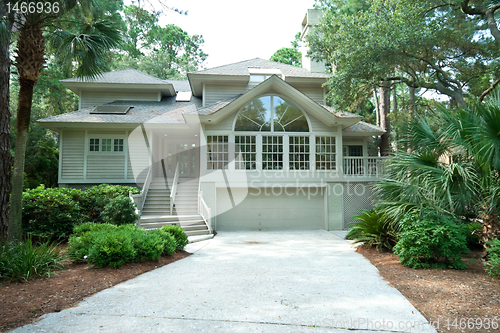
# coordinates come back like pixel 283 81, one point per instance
pixel 23 122
pixel 413 102
pixel 5 153
pixel 385 141
pixel 377 106
pixel 395 113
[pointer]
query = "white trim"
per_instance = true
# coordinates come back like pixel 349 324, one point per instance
pixel 59 173
pixel 125 144
pixel 97 180
pixel 85 150
pixel 286 152
pixel 203 97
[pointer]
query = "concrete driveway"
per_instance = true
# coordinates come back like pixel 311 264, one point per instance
pixel 293 281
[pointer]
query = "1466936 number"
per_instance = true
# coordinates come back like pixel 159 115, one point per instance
pixel 33 7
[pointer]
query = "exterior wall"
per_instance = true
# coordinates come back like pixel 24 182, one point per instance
pixel 217 92
pixel 78 165
pixel 89 98
pixel 72 154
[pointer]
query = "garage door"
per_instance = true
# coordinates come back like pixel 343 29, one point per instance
pixel 294 210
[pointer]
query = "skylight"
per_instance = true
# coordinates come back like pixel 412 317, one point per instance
pixel 111 109
pixel 183 96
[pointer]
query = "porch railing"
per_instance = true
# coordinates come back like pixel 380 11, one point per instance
pixel 174 189
pixel 205 212
pixel 364 166
pixel 140 199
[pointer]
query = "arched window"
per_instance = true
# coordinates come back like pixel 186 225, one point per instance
pixel 271 114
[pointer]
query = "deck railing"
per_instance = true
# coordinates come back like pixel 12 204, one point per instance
pixel 174 189
pixel 364 166
pixel 205 212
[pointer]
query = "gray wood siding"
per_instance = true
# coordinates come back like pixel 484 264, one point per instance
pixel 105 166
pixel 92 98
pixel 215 93
pixel 72 156
pixel 314 93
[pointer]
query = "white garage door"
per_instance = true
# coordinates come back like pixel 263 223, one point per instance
pixel 294 210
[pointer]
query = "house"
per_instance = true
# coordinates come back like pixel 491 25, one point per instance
pixel 250 145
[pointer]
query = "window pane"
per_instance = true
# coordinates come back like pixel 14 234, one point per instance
pixel 94 145
pixel 255 116
pixel 325 153
pixel 118 145
pixel 287 117
pixel 299 152
pixel 246 156
pixel 106 144
pixel 217 152
pixel 272 152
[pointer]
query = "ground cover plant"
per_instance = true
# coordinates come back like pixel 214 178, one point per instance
pixel 372 228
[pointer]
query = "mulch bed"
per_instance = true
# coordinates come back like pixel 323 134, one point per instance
pixel 23 302
pixel 456 298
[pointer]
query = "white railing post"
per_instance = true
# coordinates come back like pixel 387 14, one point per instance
pixel 173 190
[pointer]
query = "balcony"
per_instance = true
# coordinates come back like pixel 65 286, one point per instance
pixel 364 166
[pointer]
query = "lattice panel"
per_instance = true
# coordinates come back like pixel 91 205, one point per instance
pixel 357 196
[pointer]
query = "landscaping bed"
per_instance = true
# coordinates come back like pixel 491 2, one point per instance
pixel 23 302
pixel 444 294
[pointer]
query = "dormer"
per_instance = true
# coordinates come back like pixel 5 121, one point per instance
pixel 124 85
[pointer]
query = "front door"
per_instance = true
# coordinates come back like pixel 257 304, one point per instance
pixel 186 153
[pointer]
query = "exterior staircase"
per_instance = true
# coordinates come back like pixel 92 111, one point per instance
pixel 156 211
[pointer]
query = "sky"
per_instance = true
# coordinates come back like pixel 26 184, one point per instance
pixel 236 30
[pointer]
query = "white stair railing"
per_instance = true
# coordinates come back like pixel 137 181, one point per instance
pixel 140 199
pixel 205 212
pixel 174 189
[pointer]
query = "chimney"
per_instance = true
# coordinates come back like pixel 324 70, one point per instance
pixel 310 20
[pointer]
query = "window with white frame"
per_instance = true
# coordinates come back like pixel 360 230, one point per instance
pixel 106 145
pixel 217 152
pixel 325 153
pixel 246 152
pixel 272 152
pixel 298 152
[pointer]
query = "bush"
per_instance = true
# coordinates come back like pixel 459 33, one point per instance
pixel 120 210
pixel 91 226
pixel 149 246
pixel 23 260
pixel 49 213
pixel 472 231
pixel 431 240
pixel 111 248
pixel 372 229
pixel 93 200
pixel 169 243
pixel 181 239
pixel 492 265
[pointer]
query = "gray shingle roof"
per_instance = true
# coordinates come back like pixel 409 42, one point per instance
pixel 241 68
pixel 214 107
pixel 179 85
pixel 167 111
pixel 342 114
pixel 131 76
pixel 363 127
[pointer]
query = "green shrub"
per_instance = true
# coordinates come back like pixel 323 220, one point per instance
pixel 111 248
pixel 181 239
pixel 23 260
pixel 120 210
pixel 149 246
pixel 94 199
pixel 492 265
pixel 169 243
pixel 79 246
pixel 91 226
pixel 431 240
pixel 49 213
pixel 372 229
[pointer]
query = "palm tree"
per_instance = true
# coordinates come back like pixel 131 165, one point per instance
pixel 454 167
pixel 87 45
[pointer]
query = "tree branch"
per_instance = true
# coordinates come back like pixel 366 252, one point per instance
pixel 487 91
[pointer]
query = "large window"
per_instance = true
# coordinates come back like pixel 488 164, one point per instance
pixel 298 149
pixel 217 152
pixel 271 114
pixel 247 154
pixel 272 152
pixel 325 153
